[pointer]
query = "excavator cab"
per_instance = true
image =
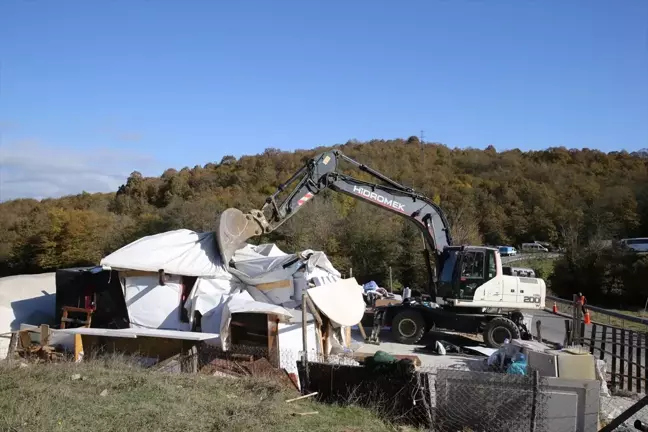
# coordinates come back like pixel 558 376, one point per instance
pixel 464 269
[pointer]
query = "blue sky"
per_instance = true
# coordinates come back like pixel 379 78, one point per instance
pixel 90 90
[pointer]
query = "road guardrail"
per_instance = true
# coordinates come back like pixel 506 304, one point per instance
pixel 530 256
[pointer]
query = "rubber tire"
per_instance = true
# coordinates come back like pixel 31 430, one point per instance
pixel 496 323
pixel 418 320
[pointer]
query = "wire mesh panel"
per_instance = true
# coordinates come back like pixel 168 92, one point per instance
pixel 486 401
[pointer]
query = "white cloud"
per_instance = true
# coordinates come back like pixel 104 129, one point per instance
pixel 33 170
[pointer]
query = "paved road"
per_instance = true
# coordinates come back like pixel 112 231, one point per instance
pixel 553 327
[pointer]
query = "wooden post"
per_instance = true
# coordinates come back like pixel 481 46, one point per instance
pixel 614 356
pixel 78 348
pixel 44 334
pixel 364 335
pixel 539 330
pixel 189 357
pixel 12 346
pixel 273 340
pixel 350 272
pixel 621 362
pixel 310 307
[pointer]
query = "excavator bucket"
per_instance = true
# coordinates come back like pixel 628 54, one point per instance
pixel 234 229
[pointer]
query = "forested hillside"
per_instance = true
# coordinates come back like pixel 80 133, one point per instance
pixel 567 197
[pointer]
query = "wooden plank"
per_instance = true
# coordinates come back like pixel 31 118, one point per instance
pixel 274 285
pixel 78 348
pixel 630 336
pixel 313 310
pixel 364 335
pixel 273 340
pixel 638 364
pixel 44 334
pixel 614 353
pixel 593 338
pixel 25 339
pixel 13 341
pixel 621 357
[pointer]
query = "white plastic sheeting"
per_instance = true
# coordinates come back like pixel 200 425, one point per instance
pixel 181 252
pixel 25 299
pixel 341 301
pixel 253 268
pixel 154 306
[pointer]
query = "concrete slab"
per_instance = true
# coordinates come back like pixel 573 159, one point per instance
pixel 429 362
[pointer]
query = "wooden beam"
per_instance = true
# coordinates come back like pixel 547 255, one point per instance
pixel 362 331
pixel 313 310
pixel 273 340
pixel 44 335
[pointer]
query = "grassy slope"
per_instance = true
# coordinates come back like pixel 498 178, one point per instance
pixel 45 398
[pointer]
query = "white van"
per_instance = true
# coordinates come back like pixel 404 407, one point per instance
pixel 533 247
pixel 636 244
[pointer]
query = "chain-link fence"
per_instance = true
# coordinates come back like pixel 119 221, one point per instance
pixel 469 396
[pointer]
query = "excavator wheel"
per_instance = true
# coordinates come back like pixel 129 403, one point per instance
pixel 408 326
pixel 498 330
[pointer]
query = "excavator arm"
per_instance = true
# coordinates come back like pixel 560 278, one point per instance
pixel 320 173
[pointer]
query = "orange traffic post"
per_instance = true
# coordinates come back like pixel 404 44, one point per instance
pixel 587 318
pixel 555 308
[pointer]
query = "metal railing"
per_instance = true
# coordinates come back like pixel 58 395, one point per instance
pixel 602 311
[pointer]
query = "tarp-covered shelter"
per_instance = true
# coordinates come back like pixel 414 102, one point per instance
pixel 177 281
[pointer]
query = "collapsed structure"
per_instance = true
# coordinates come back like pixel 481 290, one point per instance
pixel 176 285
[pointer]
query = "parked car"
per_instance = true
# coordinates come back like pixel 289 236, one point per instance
pixel 639 244
pixel 533 247
pixel 507 251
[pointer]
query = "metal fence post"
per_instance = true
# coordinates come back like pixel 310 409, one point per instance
pixel 534 404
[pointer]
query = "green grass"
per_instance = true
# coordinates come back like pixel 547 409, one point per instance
pixel 44 397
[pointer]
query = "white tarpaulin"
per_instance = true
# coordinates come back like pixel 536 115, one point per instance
pixel 254 268
pixel 25 299
pixel 181 252
pixel 154 306
pixel 208 297
pixel 341 301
